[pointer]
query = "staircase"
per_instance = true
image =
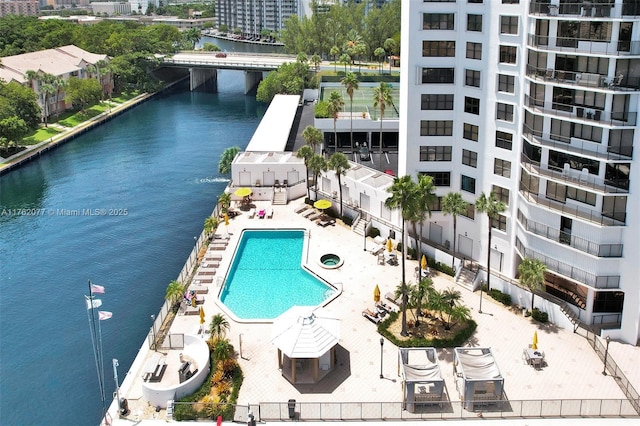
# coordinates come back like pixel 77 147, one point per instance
pixel 279 198
pixel 466 277
pixel 565 309
pixel 358 227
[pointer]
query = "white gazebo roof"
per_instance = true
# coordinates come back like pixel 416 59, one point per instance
pixel 302 332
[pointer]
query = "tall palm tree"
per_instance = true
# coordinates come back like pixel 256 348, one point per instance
pixel 335 51
pixel 224 200
pixel 339 163
pixel 492 207
pixel 210 224
pixel 381 99
pixel 316 60
pixel 47 89
pixel 191 37
pixel 425 201
pixel 379 53
pixel 453 204
pixel 175 291
pixel 532 275
pixel 350 82
pixel 60 84
pixel 224 165
pixel 305 152
pixel 317 165
pixel 312 136
pixel 404 193
pixel 336 104
pixel 345 60
pixel 218 327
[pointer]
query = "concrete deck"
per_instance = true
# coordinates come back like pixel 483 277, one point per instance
pixel 572 370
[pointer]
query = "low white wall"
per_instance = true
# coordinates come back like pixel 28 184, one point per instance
pixel 195 348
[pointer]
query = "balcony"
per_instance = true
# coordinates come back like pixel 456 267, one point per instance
pixel 579 179
pixel 593 47
pixel 572 211
pixel 578 243
pixel 592 280
pixel 581 147
pixel 580 79
pixel 573 9
pixel 585 114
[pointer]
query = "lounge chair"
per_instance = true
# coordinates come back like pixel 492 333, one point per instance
pixel 386 307
pixel 252 213
pixel 302 208
pixel 270 214
pixel 326 221
pixel 315 216
pixel 371 316
pixel 308 213
pixel 261 214
pixel 380 245
pixel 391 298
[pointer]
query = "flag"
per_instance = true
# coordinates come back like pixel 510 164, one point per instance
pixel 104 315
pixel 93 303
pixel 95 288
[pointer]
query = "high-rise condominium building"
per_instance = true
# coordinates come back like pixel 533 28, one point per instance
pixel 537 102
pixel 253 16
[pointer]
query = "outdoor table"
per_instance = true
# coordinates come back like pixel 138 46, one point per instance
pixel 534 356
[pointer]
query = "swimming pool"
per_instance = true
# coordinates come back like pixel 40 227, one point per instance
pixel 266 277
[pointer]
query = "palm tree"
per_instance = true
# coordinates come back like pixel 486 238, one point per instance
pixel 218 327
pixel 191 36
pixel 382 99
pixel 339 163
pixel 210 224
pixel 492 207
pixel 223 351
pixel 316 60
pixel 344 60
pixel 47 89
pixel 336 104
pixel 350 82
pixel 451 311
pixel 453 204
pixel 224 165
pixel 312 136
pixel 60 84
pixel 305 152
pixel 175 291
pixel 532 275
pixel 404 193
pixel 224 200
pixel 317 165
pixel 379 53
pixel 390 46
pixel 335 51
pixel 424 289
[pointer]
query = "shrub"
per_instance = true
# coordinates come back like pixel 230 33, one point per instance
pixel 539 315
pixel 373 232
pixel 458 340
pixel 501 297
pixel 411 252
pixel 321 110
pixel 445 269
pixel 347 220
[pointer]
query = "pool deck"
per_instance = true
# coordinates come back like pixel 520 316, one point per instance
pixel 572 370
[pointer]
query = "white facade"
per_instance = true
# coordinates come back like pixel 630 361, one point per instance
pixel 253 16
pixel 537 101
pixel 111 8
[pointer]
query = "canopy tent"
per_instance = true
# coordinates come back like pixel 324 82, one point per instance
pixel 305 338
pixel 422 380
pixel 478 377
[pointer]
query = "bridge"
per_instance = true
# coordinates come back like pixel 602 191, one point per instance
pixel 203 66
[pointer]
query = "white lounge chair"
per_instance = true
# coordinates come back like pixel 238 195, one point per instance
pixel 252 213
pixel 270 214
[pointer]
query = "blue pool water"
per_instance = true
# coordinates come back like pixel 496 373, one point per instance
pixel 266 277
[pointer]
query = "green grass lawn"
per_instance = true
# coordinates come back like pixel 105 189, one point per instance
pixel 125 96
pixel 40 135
pixel 79 117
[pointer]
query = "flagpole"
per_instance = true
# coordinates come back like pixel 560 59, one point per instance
pixel 97 354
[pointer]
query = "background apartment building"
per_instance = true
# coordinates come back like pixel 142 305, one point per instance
pixel 253 16
pixel 536 101
pixel 19 7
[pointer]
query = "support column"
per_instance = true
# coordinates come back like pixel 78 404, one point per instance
pixel 251 80
pixel 203 78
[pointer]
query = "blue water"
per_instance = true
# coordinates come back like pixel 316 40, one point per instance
pixel 266 277
pixel 159 163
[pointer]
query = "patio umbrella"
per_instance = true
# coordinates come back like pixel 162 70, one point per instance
pixel 376 294
pixel 424 262
pixel 243 192
pixel 389 245
pixel 322 204
pixel 535 340
pixel 201 315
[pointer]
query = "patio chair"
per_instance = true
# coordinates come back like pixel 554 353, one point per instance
pixel 308 213
pixel 371 316
pixel 301 208
pixel 261 214
pixel 270 214
pixel 314 216
pixel 252 213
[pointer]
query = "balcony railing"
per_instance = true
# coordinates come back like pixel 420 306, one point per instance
pixel 597 281
pixel 574 211
pixel 620 82
pixel 573 9
pixel 578 243
pixel 596 47
pixel 580 147
pixel 580 179
pixel 585 114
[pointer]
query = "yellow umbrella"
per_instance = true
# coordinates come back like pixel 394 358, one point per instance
pixel 535 340
pixel 322 204
pixel 243 192
pixel 226 219
pixel 424 262
pixel 376 294
pixel 389 245
pixel 201 315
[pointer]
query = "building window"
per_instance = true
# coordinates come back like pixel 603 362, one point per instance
pixel 474 22
pixel 556 191
pixel 510 1
pixel 508 25
pixel 439 178
pixel 504 112
pixel 436 128
pixel 508 54
pixel 472 105
pixel 470 131
pixel 502 194
pixel 436 102
pixel 435 205
pixel 475 1
pixel 502 167
pixel 581 195
pixel 471 211
pixel 469 158
pixel 472 78
pixel 435 153
pixel 438 21
pixel 499 223
pixel 438 48
pixel 468 184
pixel 474 50
pixel 506 83
pixel 437 75
pixel 504 140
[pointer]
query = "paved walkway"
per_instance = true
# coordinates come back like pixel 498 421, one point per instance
pixel 573 370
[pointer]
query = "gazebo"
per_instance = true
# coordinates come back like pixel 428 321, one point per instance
pixel 422 381
pixel 306 338
pixel 478 378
